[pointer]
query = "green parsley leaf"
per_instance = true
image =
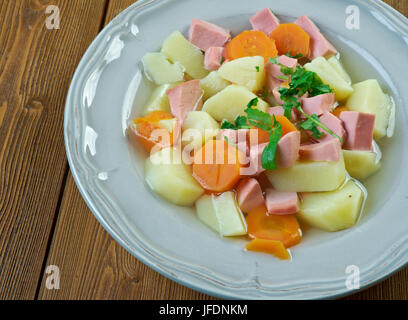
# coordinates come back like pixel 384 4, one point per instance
pixel 299 55
pixel 312 125
pixel 259 119
pixel 257 68
pixel 241 122
pixel 269 153
pixel 253 102
pixel 228 125
pixel 222 60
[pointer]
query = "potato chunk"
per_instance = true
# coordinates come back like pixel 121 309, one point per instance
pixel 158 69
pixel 212 84
pixel 338 66
pixel 368 97
pixel 178 49
pixel 332 211
pixel 159 101
pixel 330 76
pixel 222 214
pixel 170 178
pixel 248 72
pixel 231 102
pixel 361 164
pixel 309 176
pixel 198 128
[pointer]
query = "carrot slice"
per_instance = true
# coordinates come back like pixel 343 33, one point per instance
pixel 269 246
pixel 287 126
pixel 146 126
pixel 155 116
pixel 251 43
pixel 217 166
pixel 290 38
pixel 339 110
pixel 283 228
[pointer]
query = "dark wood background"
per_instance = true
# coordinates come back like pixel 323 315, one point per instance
pixel 43 219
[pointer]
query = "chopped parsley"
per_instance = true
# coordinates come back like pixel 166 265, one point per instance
pixel 299 55
pixel 301 82
pixel 261 120
pixel 222 60
pixel 257 68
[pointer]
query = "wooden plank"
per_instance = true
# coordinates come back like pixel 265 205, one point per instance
pixel 94 266
pixel 36 65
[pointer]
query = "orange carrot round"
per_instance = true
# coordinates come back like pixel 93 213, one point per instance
pixel 154 116
pixel 287 126
pixel 290 38
pixel 146 126
pixel 283 228
pixel 269 246
pixel 251 43
pixel 217 165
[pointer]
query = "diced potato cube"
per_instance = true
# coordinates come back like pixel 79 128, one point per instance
pixel 231 102
pixel 368 97
pixel 329 76
pixel 309 176
pixel 158 69
pixel 338 66
pixel 198 128
pixel 222 214
pixel 212 84
pixel 177 48
pixel 206 212
pixel 159 101
pixel 361 164
pixel 168 176
pixel 247 71
pixel 332 211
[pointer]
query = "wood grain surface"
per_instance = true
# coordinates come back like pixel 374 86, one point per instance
pixel 43 219
pixel 36 66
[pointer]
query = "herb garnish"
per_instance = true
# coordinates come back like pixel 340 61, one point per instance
pixel 222 60
pixel 301 82
pixel 261 120
pixel 257 68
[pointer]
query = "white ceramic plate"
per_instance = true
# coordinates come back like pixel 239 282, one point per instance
pixel 108 89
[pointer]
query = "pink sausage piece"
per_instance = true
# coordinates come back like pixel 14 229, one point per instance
pixel 329 150
pixel 274 70
pixel 359 128
pixel 249 195
pixel 272 82
pixel 288 150
pixel 255 159
pixel 184 98
pixel 205 35
pixel 265 21
pixel 335 125
pixel 213 57
pixel 319 46
pixel 281 203
pixel 319 105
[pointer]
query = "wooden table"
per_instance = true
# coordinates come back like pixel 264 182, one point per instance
pixel 43 219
